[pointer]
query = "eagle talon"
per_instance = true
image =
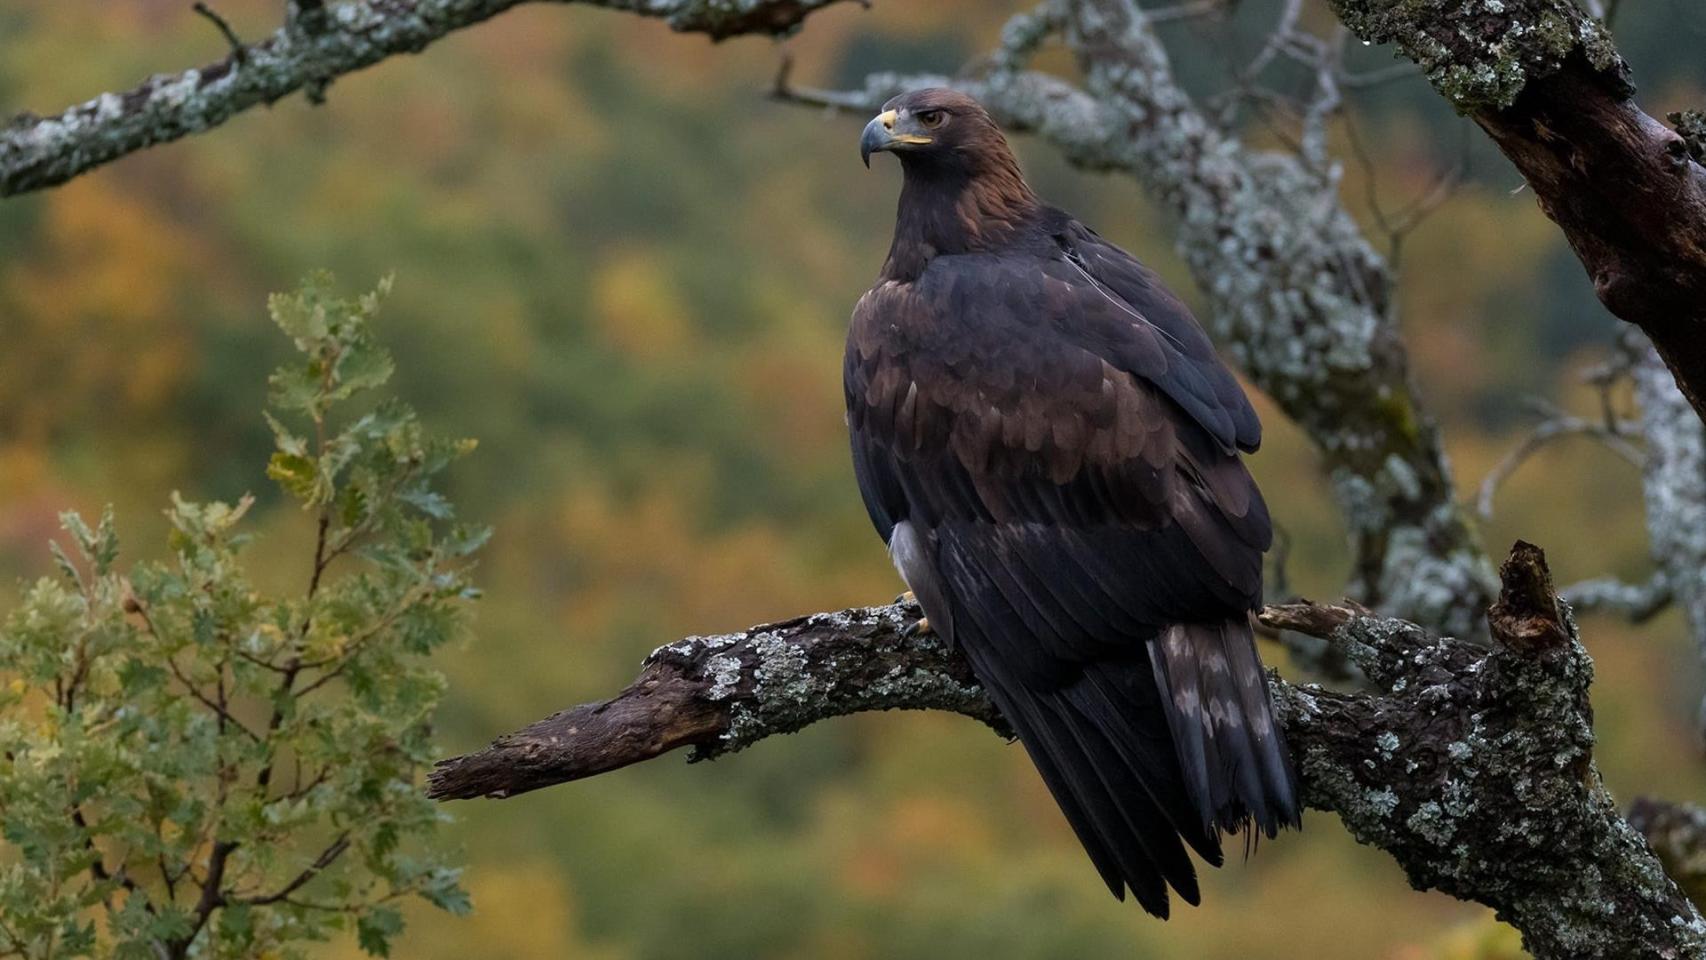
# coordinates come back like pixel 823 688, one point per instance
pixel 919 629
pixel 906 599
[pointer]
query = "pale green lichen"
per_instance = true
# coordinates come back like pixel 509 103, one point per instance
pixel 1430 822
pixel 1691 126
pixel 725 674
pixel 1481 54
pixel 779 680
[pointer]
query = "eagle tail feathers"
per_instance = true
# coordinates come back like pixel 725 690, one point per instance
pixel 1118 787
pixel 1233 754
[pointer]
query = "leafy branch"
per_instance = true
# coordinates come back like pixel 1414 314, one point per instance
pixel 193 767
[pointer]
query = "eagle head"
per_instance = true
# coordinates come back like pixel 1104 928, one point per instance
pixel 935 126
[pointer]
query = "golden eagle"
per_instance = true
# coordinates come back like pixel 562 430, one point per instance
pixel 1049 446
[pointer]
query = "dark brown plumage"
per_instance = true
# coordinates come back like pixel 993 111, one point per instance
pixel 1049 445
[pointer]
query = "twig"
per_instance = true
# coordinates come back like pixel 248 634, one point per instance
pixel 1636 602
pixel 356 645
pixel 1615 436
pixel 257 661
pixel 239 53
pixel 1190 10
pixel 1282 33
pixel 1325 103
pixel 97 863
pixel 782 90
pixel 220 711
pixel 1375 78
pixel 326 858
pixel 1399 225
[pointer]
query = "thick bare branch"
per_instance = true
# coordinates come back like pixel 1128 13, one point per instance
pixel 315 46
pixel 1472 765
pixel 1543 79
pixel 1300 298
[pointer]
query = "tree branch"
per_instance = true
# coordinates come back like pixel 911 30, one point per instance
pixel 1613 432
pixel 1472 765
pixel 238 52
pixel 1635 602
pixel 1543 79
pixel 314 47
pixel 1677 834
pixel 1673 484
pixel 721 693
pixel 327 857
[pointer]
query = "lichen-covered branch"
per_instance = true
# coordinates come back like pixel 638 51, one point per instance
pixel 1677 833
pixel 1667 441
pixel 1543 79
pixel 1299 297
pixel 1471 764
pixel 721 693
pixel 1473 767
pixel 317 44
pixel 1673 483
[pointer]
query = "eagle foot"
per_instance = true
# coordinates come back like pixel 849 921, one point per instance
pixel 919 629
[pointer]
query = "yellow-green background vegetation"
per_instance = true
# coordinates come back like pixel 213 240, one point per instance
pixel 627 273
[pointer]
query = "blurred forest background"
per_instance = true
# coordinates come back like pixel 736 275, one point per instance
pixel 628 274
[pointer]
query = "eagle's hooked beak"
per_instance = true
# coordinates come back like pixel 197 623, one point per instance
pixel 880 134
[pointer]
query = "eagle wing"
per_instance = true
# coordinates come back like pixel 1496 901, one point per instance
pixel 1048 444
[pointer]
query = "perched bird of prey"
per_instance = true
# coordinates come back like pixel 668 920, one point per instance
pixel 1049 446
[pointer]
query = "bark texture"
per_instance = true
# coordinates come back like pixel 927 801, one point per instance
pixel 1677 833
pixel 1471 764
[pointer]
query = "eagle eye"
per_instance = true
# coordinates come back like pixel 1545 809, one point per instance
pixel 931 119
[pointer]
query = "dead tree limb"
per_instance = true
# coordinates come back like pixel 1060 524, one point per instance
pixel 1472 764
pixel 314 46
pixel 719 694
